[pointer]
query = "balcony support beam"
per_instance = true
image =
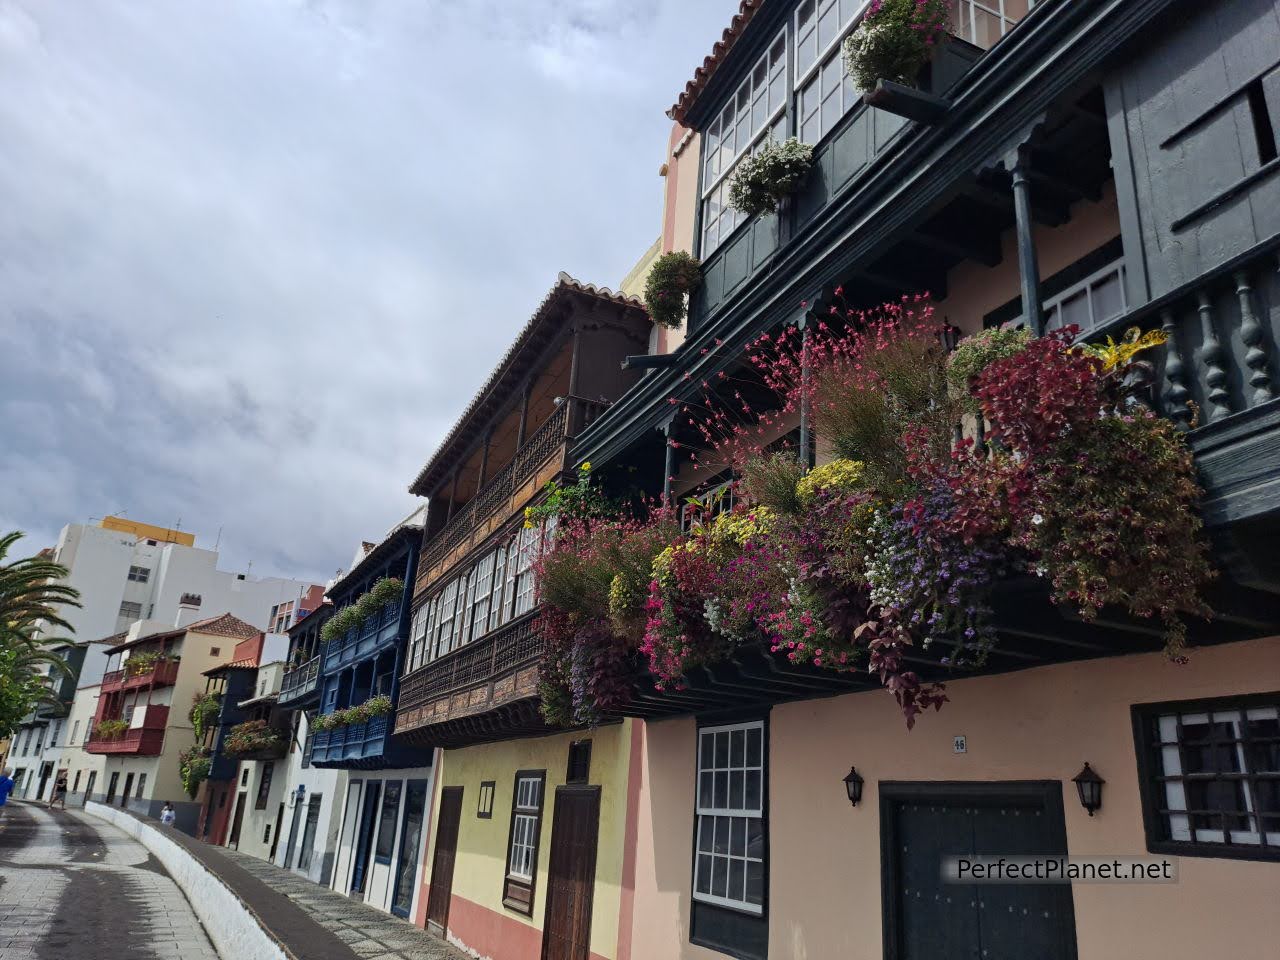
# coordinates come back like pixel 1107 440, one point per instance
pixel 1028 268
pixel 522 432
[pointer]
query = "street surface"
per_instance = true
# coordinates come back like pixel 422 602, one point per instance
pixel 76 888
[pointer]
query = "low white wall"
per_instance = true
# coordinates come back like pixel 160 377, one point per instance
pixel 233 928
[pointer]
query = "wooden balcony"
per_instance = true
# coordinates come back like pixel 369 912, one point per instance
pixel 300 684
pixel 369 639
pixel 363 746
pixel 146 740
pixel 542 458
pixel 486 690
pixel 163 674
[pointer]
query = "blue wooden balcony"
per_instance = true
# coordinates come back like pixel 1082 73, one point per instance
pixel 369 639
pixel 363 746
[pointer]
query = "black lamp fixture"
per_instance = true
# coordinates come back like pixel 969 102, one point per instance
pixel 853 785
pixel 1089 785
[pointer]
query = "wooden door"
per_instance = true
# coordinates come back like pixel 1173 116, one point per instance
pixel 237 821
pixel 442 862
pixel 927 918
pixel 571 874
pixel 364 839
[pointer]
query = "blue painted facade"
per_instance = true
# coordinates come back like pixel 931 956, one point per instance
pixel 367 661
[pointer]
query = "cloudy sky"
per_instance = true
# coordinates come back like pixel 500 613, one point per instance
pixel 253 262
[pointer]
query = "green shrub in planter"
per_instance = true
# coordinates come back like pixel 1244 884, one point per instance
pixel 388 591
pixel 674 275
pixel 366 607
pixel 895 39
pixel 339 624
pixel 107 729
pixel 378 706
pixel 765 177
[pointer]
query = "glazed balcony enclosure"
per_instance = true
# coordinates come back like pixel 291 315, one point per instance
pixel 135 695
pixel 362 662
pixel 300 686
pixel 231 683
pixel 1056 171
pixel 472 670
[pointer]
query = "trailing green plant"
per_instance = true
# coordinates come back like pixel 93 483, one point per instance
pixel 204 713
pixel 376 706
pixel 895 39
pixel 673 276
pixel 193 769
pixel 336 627
pixel 774 171
pixel 109 729
pixel 975 353
pixel 579 500
pixel 387 592
pixel 252 736
pixel 140 663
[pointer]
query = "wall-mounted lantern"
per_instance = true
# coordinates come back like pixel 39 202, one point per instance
pixel 853 785
pixel 1089 785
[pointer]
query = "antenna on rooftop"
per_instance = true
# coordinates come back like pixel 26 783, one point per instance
pixel 219 540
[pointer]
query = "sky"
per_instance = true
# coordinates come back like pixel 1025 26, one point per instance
pixel 256 256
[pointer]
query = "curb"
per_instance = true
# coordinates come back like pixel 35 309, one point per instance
pixel 235 930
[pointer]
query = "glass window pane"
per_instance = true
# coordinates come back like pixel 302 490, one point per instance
pixel 736 879
pixel 704 790
pixel 760 109
pixel 736 751
pixel 755 882
pixel 755 838
pixel 751 797
pixel 828 26
pixel 722 750
pixel 704 874
pixel 735 789
pixel 720 877
pixel 721 791
pixel 738 837
pixel 754 741
pixel 722 835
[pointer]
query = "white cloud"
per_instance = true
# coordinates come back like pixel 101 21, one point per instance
pixel 256 256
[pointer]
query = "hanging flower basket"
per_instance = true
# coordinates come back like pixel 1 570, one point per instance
pixel 673 277
pixel 895 39
pixel 765 177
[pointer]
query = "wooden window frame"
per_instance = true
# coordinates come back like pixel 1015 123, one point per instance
pixel 519 894
pixel 569 776
pixel 1150 790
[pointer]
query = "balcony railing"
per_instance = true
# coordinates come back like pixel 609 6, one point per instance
pixel 144 740
pixel 484 674
pixel 163 674
pixel 355 741
pixel 569 419
pixel 301 681
pixel 375 634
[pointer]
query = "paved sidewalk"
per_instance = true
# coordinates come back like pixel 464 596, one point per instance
pixel 75 887
pixel 368 933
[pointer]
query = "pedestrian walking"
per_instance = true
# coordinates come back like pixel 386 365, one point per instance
pixel 167 816
pixel 6 786
pixel 59 798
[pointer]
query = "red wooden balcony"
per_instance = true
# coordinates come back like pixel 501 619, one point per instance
pixel 145 741
pixel 164 673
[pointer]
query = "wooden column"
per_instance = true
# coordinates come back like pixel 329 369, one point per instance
pixel 1254 339
pixel 669 462
pixel 1028 268
pixel 524 415
pixel 806 457
pixel 575 361
pixel 484 460
pixel 453 495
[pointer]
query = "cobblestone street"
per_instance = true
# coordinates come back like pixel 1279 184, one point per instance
pixel 75 888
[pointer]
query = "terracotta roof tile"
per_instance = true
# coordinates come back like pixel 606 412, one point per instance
pixel 702 76
pixel 224 625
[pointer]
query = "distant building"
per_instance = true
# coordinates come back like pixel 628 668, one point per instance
pixel 126 572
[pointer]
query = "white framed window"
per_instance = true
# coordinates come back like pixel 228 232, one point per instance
pixel 461 624
pixel 983 22
pixel 139 574
pixel 481 591
pixel 130 610
pixel 528 551
pixel 509 588
pixel 1214 786
pixel 756 110
pixel 444 629
pixel 496 618
pixel 729 863
pixel 418 637
pixel 526 822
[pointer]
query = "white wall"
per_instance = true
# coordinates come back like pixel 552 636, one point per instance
pixel 330 786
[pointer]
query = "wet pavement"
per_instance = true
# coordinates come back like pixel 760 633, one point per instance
pixel 75 888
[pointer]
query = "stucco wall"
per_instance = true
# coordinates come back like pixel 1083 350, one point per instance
pixel 477 918
pixel 824 873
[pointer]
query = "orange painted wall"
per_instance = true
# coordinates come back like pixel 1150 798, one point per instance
pixel 824 875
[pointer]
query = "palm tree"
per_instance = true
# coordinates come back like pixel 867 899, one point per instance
pixel 32 595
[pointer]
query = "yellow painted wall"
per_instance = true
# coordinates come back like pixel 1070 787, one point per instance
pixel 146 531
pixel 480 866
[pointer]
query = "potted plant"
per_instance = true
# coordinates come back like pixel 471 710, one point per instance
pixel 253 737
pixel 204 711
pixel 765 177
pixel 895 39
pixel 193 769
pixel 110 729
pixel 673 277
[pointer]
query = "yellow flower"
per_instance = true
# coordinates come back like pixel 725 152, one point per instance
pixel 1118 354
pixel 586 466
pixel 528 524
pixel 528 512
pixel 838 474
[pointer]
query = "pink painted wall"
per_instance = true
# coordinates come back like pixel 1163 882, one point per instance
pixel 824 883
